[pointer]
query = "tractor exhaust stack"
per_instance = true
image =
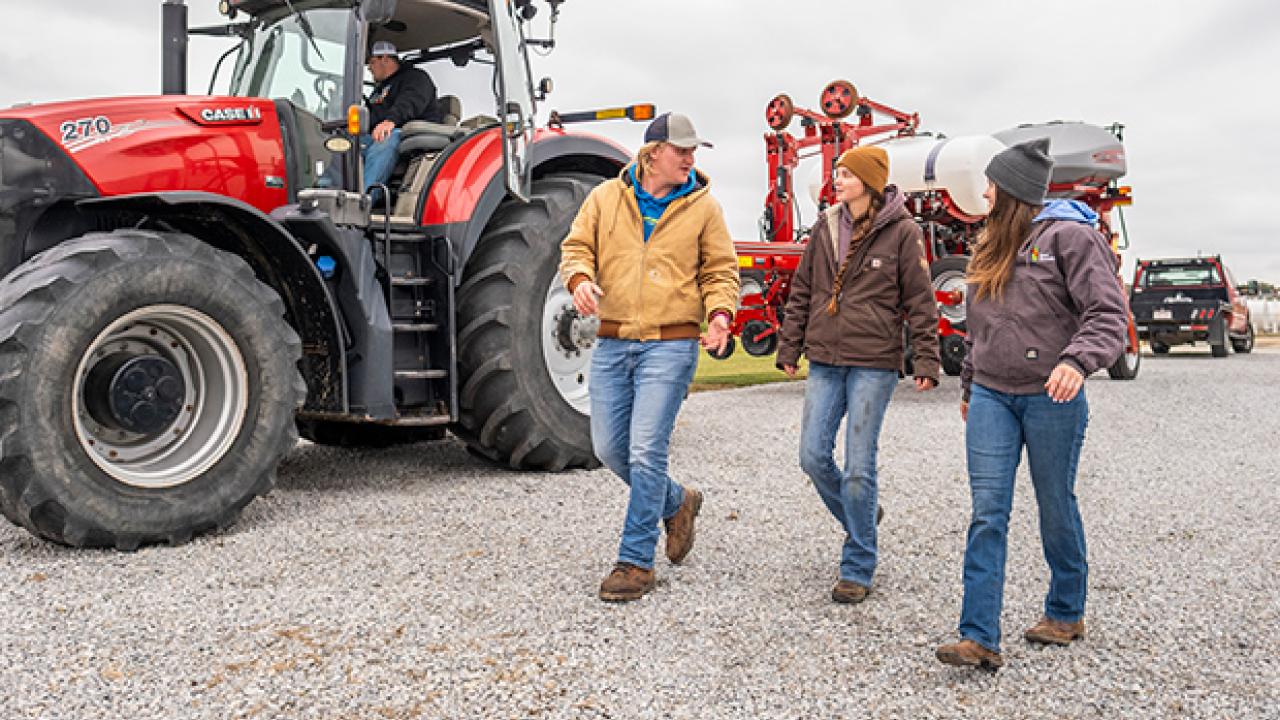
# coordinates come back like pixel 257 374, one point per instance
pixel 173 47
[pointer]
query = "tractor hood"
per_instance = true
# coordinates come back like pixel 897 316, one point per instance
pixel 226 145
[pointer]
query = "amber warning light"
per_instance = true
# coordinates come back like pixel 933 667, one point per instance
pixel 638 113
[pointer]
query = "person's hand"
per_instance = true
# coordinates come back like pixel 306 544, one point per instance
pixel 964 411
pixel 584 298
pixel 1064 383
pixel 924 383
pixel 790 370
pixel 717 335
pixel 383 130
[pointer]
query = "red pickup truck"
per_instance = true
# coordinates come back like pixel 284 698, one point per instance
pixel 1176 301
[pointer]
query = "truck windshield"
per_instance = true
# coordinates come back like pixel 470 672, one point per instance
pixel 279 62
pixel 1181 276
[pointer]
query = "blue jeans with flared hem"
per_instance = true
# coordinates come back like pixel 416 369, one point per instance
pixel 999 426
pixel 636 391
pixel 849 493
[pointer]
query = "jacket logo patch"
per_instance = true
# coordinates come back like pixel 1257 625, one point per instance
pixel 1033 354
pixel 1037 256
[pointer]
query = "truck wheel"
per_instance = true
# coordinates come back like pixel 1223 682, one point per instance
pixel 1159 348
pixel 524 354
pixel 148 385
pixel 365 435
pixel 947 274
pixel 1245 344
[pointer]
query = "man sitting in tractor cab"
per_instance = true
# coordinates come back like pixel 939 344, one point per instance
pixel 402 93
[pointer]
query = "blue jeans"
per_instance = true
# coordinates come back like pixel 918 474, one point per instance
pixel 850 494
pixel 379 158
pixel 999 426
pixel 636 390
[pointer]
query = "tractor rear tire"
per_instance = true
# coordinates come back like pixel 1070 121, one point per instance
pixel 365 435
pixel 511 410
pixel 148 386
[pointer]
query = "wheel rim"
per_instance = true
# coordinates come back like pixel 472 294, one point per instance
pixel 950 281
pixel 567 342
pixel 179 343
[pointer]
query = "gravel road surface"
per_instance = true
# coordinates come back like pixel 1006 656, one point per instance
pixel 418 582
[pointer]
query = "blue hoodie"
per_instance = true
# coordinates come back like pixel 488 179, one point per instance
pixel 1070 210
pixel 652 208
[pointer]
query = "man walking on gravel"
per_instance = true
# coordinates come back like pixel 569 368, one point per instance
pixel 649 252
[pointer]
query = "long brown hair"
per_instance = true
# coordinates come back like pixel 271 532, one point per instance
pixel 861 226
pixel 1008 226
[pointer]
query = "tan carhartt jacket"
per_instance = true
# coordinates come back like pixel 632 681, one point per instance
pixel 661 289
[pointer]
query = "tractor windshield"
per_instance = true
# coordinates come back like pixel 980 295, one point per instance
pixel 299 57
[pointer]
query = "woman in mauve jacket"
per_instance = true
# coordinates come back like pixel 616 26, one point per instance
pixel 1044 312
pixel 863 269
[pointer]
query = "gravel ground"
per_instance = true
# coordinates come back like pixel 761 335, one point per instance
pixel 417 582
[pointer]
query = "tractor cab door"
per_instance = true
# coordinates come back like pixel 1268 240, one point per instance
pixel 515 99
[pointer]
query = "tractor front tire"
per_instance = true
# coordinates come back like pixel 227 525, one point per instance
pixel 148 386
pixel 511 409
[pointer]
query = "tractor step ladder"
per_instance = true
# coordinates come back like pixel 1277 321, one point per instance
pixel 420 287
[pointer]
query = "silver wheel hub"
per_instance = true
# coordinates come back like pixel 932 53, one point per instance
pixel 951 281
pixel 160 395
pixel 567 342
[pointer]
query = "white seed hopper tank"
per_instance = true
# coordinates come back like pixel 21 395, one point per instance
pixel 954 164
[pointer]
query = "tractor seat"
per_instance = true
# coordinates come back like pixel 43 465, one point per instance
pixel 418 136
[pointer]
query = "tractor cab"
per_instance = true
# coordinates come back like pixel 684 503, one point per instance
pixel 309 57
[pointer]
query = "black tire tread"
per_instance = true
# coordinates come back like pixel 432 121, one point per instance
pixel 485 296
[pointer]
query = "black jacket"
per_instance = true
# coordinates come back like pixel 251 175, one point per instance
pixel 407 95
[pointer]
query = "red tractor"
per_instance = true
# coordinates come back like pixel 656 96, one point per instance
pixel 187 282
pixel 943 180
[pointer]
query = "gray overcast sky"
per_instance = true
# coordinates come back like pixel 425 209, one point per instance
pixel 1186 78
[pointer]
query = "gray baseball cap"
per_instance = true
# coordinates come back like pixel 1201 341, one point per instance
pixel 676 129
pixel 383 47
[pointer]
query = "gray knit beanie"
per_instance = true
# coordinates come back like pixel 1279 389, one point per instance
pixel 1023 170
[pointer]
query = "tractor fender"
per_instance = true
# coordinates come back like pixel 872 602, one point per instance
pixel 277 260
pixel 455 208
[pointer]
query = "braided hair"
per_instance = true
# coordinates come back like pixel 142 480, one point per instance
pixel 861 227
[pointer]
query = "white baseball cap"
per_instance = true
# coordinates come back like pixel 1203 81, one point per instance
pixel 383 47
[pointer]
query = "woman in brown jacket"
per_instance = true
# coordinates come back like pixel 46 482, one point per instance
pixel 863 269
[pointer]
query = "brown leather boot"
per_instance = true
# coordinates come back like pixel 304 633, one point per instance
pixel 968 653
pixel 1054 632
pixel 680 526
pixel 626 583
pixel 850 592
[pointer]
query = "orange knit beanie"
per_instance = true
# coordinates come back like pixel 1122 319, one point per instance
pixel 869 163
